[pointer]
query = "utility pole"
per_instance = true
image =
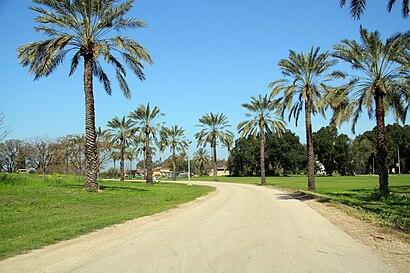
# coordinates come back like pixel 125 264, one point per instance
pixel 189 166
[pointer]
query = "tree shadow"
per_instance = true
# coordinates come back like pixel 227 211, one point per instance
pixel 296 196
pixel 104 187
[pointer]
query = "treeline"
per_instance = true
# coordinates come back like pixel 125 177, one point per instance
pixel 335 153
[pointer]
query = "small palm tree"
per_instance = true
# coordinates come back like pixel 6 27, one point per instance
pixel 84 28
pixel 146 123
pixel 138 148
pixel 119 134
pixel 357 7
pixel 262 120
pixel 201 159
pixel 227 143
pixel 303 89
pixel 174 138
pixel 381 86
pixel 214 129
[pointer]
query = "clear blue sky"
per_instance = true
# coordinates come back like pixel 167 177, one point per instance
pixel 209 56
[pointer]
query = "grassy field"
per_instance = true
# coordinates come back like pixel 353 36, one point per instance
pixel 356 191
pixel 35 213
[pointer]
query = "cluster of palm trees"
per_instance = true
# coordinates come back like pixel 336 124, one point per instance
pixel 91 31
pixel 378 82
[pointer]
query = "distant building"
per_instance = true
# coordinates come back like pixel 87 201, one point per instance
pixel 220 171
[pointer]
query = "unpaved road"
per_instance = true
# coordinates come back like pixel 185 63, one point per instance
pixel 239 228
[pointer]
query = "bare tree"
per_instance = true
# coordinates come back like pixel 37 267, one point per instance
pixel 41 152
pixel 4 127
pixel 12 155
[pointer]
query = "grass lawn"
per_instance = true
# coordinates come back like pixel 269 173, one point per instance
pixel 34 213
pixel 355 191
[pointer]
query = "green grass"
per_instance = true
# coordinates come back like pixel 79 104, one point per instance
pixel 359 192
pixel 35 213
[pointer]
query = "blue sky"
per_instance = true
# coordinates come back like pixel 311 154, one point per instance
pixel 209 56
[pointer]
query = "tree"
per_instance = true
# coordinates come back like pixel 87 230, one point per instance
pixel 332 150
pixel 357 7
pixel 41 152
pixel 286 153
pixel 119 134
pixel 138 144
pixel 12 155
pixel 77 156
pixel 363 150
pixel 4 128
pixel 383 72
pixel 261 121
pixel 84 28
pixel 174 138
pixel 104 149
pixel 305 83
pixel 245 156
pixel 214 128
pixel 227 143
pixel 201 159
pixel 146 123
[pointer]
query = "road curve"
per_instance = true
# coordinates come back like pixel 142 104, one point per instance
pixel 239 228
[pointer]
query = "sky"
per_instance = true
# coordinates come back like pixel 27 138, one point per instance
pixel 209 56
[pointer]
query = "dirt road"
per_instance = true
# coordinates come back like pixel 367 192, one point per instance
pixel 239 228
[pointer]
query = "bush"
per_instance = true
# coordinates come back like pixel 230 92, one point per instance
pixel 110 173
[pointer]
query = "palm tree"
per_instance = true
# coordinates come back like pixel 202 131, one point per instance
pixel 138 148
pixel 119 134
pixel 381 86
pixel 227 143
pixel 146 123
pixel 305 83
pixel 174 138
pixel 83 28
pixel 357 7
pixel 261 121
pixel 103 149
pixel 201 159
pixel 214 129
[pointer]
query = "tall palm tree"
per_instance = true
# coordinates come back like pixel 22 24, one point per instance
pixel 261 120
pixel 174 138
pixel 146 123
pixel 119 134
pixel 214 128
pixel 380 85
pixel 201 159
pixel 357 7
pixel 89 30
pixel 303 88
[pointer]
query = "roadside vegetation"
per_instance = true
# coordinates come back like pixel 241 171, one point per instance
pixel 35 213
pixel 359 192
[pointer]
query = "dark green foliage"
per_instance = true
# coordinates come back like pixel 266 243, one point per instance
pixel 284 154
pixel 397 137
pixel 245 157
pixel 333 150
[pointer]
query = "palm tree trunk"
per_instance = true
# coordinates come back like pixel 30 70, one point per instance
pixel 381 146
pixel 90 133
pixel 263 177
pixel 214 159
pixel 174 163
pixel 122 163
pixel 148 160
pixel 310 153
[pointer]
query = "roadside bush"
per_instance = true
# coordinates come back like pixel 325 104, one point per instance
pixel 110 173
